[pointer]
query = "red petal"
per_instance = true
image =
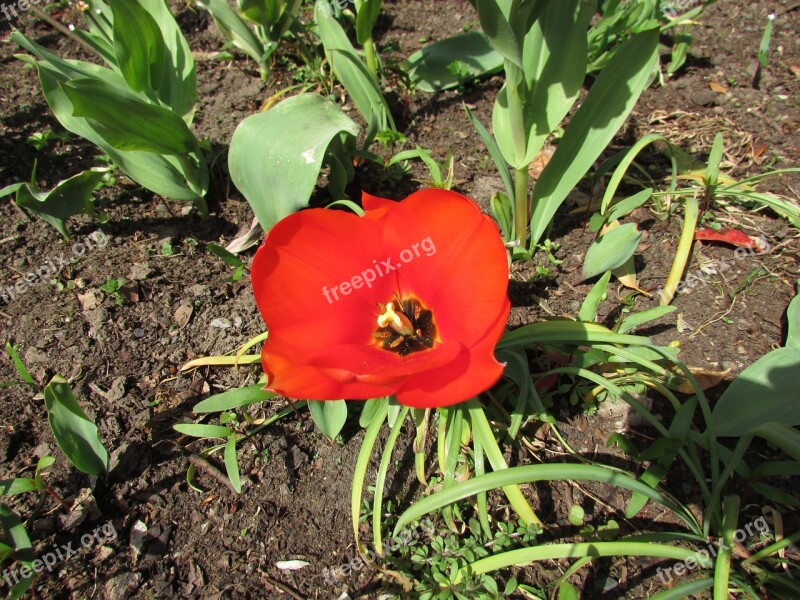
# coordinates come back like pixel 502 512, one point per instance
pixel 320 343
pixel 729 236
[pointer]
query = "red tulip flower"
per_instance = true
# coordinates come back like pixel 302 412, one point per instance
pixel 408 299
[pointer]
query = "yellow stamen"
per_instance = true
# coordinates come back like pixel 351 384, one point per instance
pixel 397 321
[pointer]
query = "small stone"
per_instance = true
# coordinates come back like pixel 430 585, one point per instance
pixel 221 324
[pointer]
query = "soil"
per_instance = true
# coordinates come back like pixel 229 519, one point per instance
pixel 123 358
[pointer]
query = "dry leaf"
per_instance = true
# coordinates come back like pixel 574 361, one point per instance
pixel 705 377
pixel 182 315
pixel 795 69
pixel 540 162
pixel 727 235
pixel 717 87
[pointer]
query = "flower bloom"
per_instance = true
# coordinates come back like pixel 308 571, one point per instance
pixel 408 299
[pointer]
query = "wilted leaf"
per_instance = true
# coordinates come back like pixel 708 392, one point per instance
pixel 707 378
pixel 729 236
pixel 718 87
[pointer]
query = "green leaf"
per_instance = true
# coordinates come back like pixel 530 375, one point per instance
pixel 20 485
pixel 594 124
pixel 231 464
pixel 593 299
pixel 640 318
pixel 76 435
pixel 567 591
pixel 428 68
pixel 73 196
pixel 623 207
pixel 611 250
pixel 234 27
pixel 567 332
pixel 793 320
pixel 138 46
pixel 13 353
pixel 126 122
pixel 275 156
pixel 177 88
pixel 499 32
pixel 765 391
pixel 232 399
pixel 202 431
pixel 353 73
pixel 494 152
pixel 367 12
pixel 329 416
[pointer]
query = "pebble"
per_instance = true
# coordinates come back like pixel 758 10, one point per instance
pixel 221 324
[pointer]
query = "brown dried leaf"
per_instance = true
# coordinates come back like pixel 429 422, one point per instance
pixel 717 87
pixel 705 377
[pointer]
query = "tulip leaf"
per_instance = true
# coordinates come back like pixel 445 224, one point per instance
pixel 200 430
pixel 367 12
pixel 125 121
pixel 231 464
pixel 498 30
pixel 353 73
pixel 179 178
pixel 77 436
pixel 329 416
pixel 793 320
pixel 447 63
pixel 275 156
pixel 611 250
pixel 234 27
pixel 596 295
pixel 640 318
pixel 602 113
pixel 73 196
pixel 765 391
pixel 232 399
pixel 138 46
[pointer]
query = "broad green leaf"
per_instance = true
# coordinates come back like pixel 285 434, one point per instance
pixel 782 435
pixel 593 299
pixel 76 435
pixel 430 69
pixel 275 156
pixel 168 176
pixel 623 207
pixel 351 71
pixel 793 320
pixel 231 464
pixel 554 59
pixel 178 86
pixel 138 46
pixel 14 529
pixel 73 196
pixel 232 399
pixel 498 30
pixel 611 250
pixel 765 391
pixel 329 416
pixel 640 318
pixel 227 257
pixel 594 124
pixel 202 431
pixel 127 123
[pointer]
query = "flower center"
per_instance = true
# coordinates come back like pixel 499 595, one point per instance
pixel 405 326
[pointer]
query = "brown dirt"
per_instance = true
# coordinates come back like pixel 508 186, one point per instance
pixel 122 360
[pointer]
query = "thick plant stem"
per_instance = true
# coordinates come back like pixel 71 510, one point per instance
pixel 372 58
pixel 682 255
pixel 521 206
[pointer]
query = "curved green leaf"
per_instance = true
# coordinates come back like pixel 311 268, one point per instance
pixel 232 399
pixel 76 435
pixel 611 250
pixel 595 123
pixel 765 391
pixel 329 416
pixel 275 156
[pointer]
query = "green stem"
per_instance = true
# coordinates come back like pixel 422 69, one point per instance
pixel 682 254
pixel 372 58
pixel 521 216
